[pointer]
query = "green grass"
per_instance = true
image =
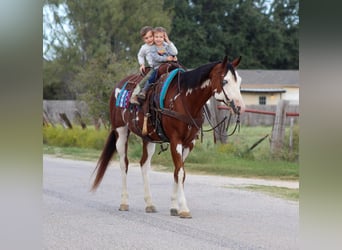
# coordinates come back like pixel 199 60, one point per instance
pixel 85 154
pixel 280 192
pixel 232 159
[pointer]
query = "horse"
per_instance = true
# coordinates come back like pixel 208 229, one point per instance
pixel 173 115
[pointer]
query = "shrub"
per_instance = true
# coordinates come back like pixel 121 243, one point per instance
pixel 76 137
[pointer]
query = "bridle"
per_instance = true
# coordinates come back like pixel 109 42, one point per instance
pixel 229 103
pixel 194 122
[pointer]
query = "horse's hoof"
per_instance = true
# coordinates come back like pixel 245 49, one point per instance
pixel 123 207
pixel 185 215
pixel 174 212
pixel 150 209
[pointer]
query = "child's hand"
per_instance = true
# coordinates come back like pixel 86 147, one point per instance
pixel 172 58
pixel 166 37
pixel 142 68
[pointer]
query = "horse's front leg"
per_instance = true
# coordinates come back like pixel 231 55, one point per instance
pixel 145 163
pixel 121 146
pixel 178 201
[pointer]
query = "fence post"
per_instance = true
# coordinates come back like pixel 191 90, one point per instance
pixel 217 115
pixel 278 130
pixel 65 121
pixel 291 134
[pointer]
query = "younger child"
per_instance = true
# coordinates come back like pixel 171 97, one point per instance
pixel 163 50
pixel 146 34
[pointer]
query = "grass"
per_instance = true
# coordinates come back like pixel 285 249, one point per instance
pixel 280 192
pixel 232 159
pixel 74 153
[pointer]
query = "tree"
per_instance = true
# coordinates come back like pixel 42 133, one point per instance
pixel 285 16
pixel 58 76
pixel 102 44
pixel 90 45
pixel 205 30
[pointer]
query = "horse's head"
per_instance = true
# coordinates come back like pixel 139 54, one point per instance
pixel 228 89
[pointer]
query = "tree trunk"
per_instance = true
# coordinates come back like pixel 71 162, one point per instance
pixel 218 115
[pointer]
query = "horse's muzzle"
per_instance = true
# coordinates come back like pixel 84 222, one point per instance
pixel 236 109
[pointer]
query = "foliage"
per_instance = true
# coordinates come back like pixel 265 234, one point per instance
pixel 97 26
pixel 76 137
pixel 210 29
pixel 90 45
pixel 225 159
pixel 100 47
pixel 94 84
pixel 58 76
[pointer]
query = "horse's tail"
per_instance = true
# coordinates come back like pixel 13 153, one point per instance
pixel 106 155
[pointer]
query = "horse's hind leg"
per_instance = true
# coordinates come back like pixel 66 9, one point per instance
pixel 121 145
pixel 145 162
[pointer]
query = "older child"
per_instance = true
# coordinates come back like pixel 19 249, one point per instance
pixel 163 50
pixel 146 34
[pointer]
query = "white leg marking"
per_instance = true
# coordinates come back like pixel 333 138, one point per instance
pixel 144 171
pixel 120 146
pixel 174 201
pixel 179 149
pixel 174 195
pixel 181 194
pixel 187 151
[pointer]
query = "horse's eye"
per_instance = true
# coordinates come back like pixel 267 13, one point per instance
pixel 224 82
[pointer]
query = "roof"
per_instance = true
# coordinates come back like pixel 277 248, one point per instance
pixel 267 90
pixel 269 78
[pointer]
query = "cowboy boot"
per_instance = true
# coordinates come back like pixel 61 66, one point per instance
pixel 142 94
pixel 134 100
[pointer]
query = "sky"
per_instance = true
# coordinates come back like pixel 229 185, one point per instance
pixel 50 26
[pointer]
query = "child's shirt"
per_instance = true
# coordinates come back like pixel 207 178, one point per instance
pixel 159 54
pixel 144 53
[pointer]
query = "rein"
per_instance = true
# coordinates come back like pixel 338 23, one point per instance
pixel 237 124
pixel 213 127
pixel 198 122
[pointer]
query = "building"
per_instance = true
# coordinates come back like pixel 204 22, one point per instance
pixel 267 87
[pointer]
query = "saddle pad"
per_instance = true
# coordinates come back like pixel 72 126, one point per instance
pixel 166 85
pixel 122 99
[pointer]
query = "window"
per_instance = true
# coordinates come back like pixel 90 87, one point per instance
pixel 262 100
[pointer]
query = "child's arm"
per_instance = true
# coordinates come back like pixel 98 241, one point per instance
pixel 141 58
pixel 171 47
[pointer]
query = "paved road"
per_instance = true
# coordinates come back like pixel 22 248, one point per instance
pixel 223 217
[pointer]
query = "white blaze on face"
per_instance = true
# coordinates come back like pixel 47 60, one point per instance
pixel 232 90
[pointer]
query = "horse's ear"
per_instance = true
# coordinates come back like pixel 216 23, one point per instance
pixel 224 63
pixel 236 62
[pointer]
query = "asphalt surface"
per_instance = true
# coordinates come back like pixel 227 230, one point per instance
pixel 224 217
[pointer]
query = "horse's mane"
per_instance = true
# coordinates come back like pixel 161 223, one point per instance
pixel 194 78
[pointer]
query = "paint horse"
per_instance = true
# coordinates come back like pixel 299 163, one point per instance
pixel 174 115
